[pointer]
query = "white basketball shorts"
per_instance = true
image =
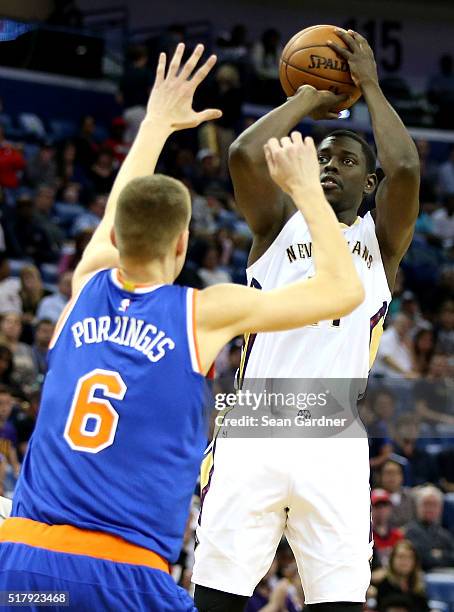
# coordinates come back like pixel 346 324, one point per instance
pixel 315 491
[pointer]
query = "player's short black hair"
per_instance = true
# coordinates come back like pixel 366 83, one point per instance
pixel 369 153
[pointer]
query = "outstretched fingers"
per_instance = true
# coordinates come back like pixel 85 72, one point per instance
pixel 160 70
pixel 203 71
pixel 176 60
pixel 192 62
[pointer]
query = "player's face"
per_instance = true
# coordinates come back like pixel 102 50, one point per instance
pixel 343 172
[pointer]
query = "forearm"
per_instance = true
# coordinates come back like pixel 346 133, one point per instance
pixel 395 146
pixel 140 161
pixel 330 252
pixel 275 124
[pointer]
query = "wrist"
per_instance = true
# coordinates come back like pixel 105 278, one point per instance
pixel 301 193
pixel 157 125
pixel 369 86
pixel 303 102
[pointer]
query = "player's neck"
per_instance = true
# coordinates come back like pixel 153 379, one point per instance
pixel 346 217
pixel 157 272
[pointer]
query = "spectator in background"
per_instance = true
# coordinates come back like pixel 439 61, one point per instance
pixel 42 167
pixel 6 372
pixel 266 54
pixel 410 307
pixel 24 421
pixel 434 544
pixel 420 467
pixel 403 578
pixel 443 222
pixel 210 271
pixel 423 349
pixel 396 302
pixel 52 306
pixel 86 145
pixel 445 328
pixel 208 180
pixel 102 173
pixel 428 190
pixel 227 95
pixel 446 175
pixel 31 292
pixel 391 480
pixel 10 300
pixel 8 434
pixel 225 382
pixel 90 220
pixel 44 204
pixel 69 261
pixel 394 357
pixel 441 93
pixel 234 47
pixel 384 405
pixel 43 334
pixel 134 89
pixel 433 395
pixel 380 447
pixel 69 171
pixel 12 162
pixel 446 469
pixel 117 143
pixel 385 536
pixel 24 373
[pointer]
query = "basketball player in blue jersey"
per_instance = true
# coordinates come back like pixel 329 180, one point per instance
pixel 316 491
pixel 101 503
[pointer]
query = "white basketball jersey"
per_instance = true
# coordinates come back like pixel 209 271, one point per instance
pixel 342 348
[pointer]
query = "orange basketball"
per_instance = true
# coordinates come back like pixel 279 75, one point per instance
pixel 307 60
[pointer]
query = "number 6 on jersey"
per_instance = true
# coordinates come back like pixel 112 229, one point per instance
pixel 86 407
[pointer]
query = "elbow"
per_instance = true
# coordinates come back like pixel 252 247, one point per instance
pixel 240 153
pixel 408 166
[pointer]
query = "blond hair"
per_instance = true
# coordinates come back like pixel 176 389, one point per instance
pixel 152 211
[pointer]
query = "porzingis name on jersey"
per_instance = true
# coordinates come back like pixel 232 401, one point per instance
pixel 125 331
pixel 303 250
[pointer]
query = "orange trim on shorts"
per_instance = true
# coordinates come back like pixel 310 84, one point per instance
pixel 75 541
pixel 197 354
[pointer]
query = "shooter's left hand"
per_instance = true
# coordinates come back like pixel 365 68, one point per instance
pixel 359 56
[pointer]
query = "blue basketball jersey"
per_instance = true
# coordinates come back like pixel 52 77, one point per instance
pixel 122 425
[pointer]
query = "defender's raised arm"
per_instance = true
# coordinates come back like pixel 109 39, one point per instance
pixel 169 109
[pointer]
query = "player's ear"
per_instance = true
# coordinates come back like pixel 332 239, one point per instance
pixel 113 238
pixel 371 183
pixel 182 243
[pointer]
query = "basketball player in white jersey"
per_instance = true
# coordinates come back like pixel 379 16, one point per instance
pixel 316 491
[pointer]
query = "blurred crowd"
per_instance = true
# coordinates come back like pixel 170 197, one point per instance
pixel 53 192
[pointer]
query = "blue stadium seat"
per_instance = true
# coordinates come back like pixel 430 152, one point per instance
pixel 440 587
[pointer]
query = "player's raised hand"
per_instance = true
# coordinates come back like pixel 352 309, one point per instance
pixel 359 56
pixel 172 94
pixel 321 101
pixel 293 163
